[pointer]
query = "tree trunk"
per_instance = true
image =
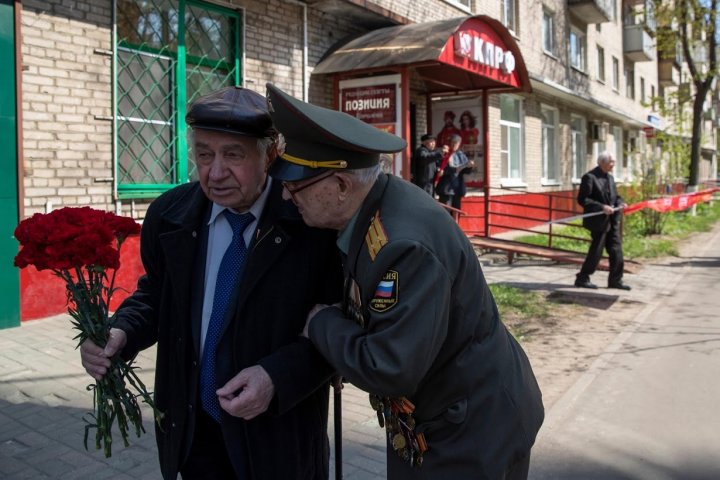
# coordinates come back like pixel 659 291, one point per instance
pixel 696 138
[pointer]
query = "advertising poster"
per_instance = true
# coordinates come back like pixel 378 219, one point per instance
pixel 375 100
pixel 462 117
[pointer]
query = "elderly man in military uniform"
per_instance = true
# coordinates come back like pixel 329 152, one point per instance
pixel 418 328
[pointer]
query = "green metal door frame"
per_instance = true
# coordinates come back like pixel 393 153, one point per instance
pixel 9 275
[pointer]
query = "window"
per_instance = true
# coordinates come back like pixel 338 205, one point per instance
pixel 511 137
pixel 652 97
pixel 642 90
pixel 629 83
pixel 617 137
pixel 616 74
pixel 577 49
pixel 551 170
pixel 462 3
pixel 158 73
pixel 548 32
pixel 577 146
pixel 601 63
pixel 510 15
pixel 597 148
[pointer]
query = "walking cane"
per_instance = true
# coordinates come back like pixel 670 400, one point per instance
pixel 337 407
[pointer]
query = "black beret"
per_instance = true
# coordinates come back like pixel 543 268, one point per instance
pixel 318 139
pixel 427 136
pixel 232 110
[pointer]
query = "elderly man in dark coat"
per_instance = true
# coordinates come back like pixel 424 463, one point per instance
pixel 599 197
pixel 418 328
pixel 243 394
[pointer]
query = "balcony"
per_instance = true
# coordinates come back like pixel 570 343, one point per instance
pixel 669 65
pixel 592 11
pixel 668 73
pixel 638 44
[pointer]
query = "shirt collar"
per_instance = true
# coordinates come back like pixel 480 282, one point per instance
pixel 256 209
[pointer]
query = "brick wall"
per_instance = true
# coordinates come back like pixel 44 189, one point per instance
pixel 66 87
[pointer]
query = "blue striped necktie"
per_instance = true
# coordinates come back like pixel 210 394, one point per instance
pixel 230 270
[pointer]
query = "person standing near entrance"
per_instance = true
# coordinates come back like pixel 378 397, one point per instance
pixel 451 187
pixel 426 162
pixel 231 273
pixel 418 327
pixel 598 193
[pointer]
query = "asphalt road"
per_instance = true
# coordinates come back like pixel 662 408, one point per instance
pixel 648 408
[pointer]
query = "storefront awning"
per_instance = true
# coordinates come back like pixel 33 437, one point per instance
pixel 459 54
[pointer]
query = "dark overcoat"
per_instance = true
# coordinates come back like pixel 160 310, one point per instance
pixel 433 335
pixel 592 197
pixel 425 165
pixel 290 268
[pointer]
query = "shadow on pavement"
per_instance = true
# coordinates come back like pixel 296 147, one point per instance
pixel 40 441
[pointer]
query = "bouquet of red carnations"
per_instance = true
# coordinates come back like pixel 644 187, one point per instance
pixel 81 245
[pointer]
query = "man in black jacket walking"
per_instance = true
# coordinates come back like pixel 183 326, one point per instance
pixel 599 194
pixel 426 162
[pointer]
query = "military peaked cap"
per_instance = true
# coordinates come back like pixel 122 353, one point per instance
pixel 233 110
pixel 318 139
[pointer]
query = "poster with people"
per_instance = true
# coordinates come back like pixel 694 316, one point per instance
pixel 461 117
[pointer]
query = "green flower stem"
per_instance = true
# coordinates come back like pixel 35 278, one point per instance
pixel 112 399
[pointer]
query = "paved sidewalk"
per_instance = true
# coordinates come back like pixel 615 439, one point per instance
pixel 43 395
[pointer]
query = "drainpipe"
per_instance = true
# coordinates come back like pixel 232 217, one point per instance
pixel 305 82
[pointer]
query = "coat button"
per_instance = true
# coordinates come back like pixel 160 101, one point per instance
pixel 278 240
pixel 194 234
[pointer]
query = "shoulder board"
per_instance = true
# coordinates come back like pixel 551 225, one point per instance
pixel 376 237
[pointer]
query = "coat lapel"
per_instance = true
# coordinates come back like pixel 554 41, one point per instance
pixel 269 242
pixel 179 244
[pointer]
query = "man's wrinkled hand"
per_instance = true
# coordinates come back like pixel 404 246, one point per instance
pixel 96 360
pixel 248 393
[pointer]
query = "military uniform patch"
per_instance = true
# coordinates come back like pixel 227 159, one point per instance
pixel 376 238
pixel 386 293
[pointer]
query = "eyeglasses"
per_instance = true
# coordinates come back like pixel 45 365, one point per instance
pixel 295 187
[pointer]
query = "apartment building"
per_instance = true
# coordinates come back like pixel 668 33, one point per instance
pixel 94 92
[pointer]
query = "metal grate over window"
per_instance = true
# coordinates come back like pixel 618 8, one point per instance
pixel 168 53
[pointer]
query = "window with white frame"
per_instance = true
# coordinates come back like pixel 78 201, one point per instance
pixel 615 74
pixel 548 32
pixel 551 162
pixel 577 147
pixel 652 97
pixel 601 63
pixel 577 49
pixel 598 147
pixel 629 83
pixel 642 90
pixel 462 3
pixel 510 15
pixel 617 138
pixel 511 155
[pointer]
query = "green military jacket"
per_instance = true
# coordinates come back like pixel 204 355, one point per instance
pixel 432 334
